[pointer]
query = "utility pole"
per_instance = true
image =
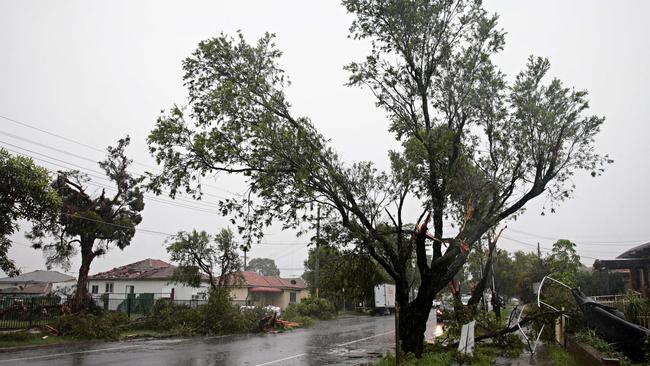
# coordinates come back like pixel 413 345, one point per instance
pixel 317 267
pixel 245 250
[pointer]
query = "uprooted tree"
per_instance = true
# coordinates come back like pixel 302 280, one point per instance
pixel 475 149
pixel 201 256
pixel 90 223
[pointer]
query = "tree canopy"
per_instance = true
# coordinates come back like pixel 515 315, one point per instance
pixel 90 223
pixel 201 256
pixel 344 275
pixel 25 194
pixel 263 266
pixel 474 148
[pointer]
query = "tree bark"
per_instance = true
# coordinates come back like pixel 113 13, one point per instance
pixel 413 317
pixel 82 298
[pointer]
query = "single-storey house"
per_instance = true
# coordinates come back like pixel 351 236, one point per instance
pixel 36 283
pixel 255 289
pixel 154 277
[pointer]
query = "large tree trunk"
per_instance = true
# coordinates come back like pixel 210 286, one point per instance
pixel 413 316
pixel 82 298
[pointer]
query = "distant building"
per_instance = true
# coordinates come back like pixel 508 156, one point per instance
pixel 36 283
pixel 154 277
pixel 635 262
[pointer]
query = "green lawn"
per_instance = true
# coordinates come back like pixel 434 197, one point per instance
pixel 20 339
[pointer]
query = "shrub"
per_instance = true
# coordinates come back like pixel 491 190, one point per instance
pixel 178 319
pixel 91 326
pixel 218 316
pixel 311 307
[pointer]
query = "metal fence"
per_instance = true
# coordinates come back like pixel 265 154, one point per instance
pixel 26 312
pixel 137 305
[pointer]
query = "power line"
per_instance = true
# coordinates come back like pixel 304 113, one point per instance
pixel 150 197
pixel 582 241
pixel 535 246
pixel 94 148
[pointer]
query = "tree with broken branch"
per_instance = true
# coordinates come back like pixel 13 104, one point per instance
pixel 474 148
pixel 90 223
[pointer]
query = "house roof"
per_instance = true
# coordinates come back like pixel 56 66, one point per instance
pixel 147 269
pixel 155 269
pixel 640 251
pixel 253 279
pixel 38 276
pixel 37 288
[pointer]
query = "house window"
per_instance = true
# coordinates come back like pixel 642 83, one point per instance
pixel 292 297
pixel 130 289
pixel 94 289
pixel 109 287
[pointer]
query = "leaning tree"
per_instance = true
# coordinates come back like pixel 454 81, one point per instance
pixel 474 148
pixel 89 223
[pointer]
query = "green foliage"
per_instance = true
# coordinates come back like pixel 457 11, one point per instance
pixel 92 224
pixel 169 316
pixel 636 307
pixel 590 337
pixel 510 344
pixel 470 140
pixel 436 356
pixel 601 282
pixel 557 356
pixel 199 255
pixel 218 316
pixel 310 307
pixel 25 194
pixel 91 326
pixel 351 276
pixel 263 266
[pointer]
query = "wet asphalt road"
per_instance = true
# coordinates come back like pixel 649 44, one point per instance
pixel 345 341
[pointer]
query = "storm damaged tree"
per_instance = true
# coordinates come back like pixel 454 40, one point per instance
pixel 474 149
pixel 91 224
pixel 202 256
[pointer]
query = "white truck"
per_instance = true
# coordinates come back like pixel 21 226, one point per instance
pixel 384 298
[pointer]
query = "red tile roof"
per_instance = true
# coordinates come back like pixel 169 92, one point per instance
pixel 144 269
pixel 253 279
pixel 155 269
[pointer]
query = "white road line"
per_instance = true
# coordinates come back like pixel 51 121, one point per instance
pixel 67 353
pixel 280 360
pixel 363 339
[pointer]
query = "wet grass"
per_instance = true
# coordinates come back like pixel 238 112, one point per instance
pixel 21 339
pixel 483 356
pixel 557 356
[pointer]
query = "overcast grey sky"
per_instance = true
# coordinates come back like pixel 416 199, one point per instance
pixel 94 71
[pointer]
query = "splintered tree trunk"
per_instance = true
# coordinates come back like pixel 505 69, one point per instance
pixel 82 299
